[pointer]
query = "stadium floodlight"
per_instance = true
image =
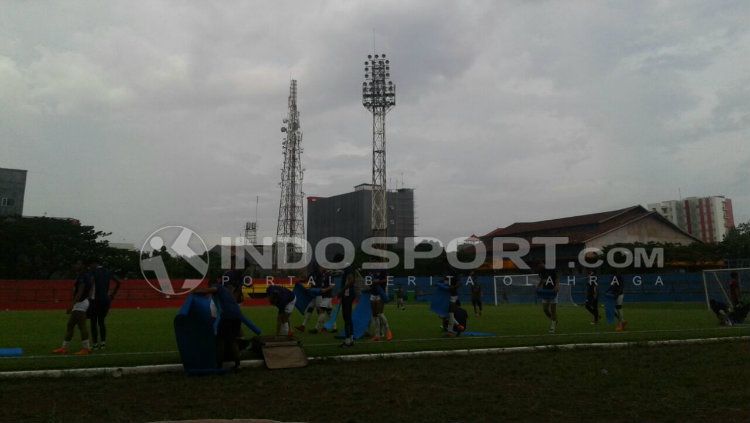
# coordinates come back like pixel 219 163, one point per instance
pixel 378 96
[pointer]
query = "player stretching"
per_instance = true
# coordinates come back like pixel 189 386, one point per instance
pixel 77 312
pixel 377 295
pixel 548 282
pixel 101 300
pixel 227 293
pixel 592 297
pixel 284 300
pixel 617 291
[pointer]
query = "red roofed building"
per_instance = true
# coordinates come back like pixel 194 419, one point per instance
pixel 597 230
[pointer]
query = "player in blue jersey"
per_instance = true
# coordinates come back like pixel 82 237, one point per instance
pixel 284 300
pixel 347 295
pixel 592 296
pixel 101 301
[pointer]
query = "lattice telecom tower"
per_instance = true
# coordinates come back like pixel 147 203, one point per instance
pixel 291 225
pixel 378 96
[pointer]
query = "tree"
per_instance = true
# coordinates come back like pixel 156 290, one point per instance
pixel 42 247
pixel 736 245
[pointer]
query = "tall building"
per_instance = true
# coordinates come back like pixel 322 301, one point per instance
pixel 349 216
pixel 12 190
pixel 706 218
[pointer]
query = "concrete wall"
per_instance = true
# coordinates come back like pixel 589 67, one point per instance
pixel 12 191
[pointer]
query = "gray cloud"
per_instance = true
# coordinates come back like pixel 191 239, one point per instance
pixel 134 115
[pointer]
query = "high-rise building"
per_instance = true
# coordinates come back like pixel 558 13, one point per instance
pixel 349 216
pixel 12 191
pixel 706 218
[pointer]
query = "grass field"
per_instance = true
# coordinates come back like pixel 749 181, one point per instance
pixel 666 384
pixel 146 336
pixel 697 383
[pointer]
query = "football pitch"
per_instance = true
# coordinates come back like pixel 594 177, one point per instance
pixel 684 383
pixel 145 336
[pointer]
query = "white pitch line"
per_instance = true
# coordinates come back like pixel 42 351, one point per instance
pixel 173 368
pixel 458 338
pixel 96 354
pixel 408 340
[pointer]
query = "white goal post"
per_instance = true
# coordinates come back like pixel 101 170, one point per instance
pixel 716 283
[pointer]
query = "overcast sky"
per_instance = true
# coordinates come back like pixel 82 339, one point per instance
pixel 137 115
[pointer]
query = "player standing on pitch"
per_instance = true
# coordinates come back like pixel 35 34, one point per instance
pixel 549 283
pixel 314 277
pixel 77 311
pixel 347 295
pixel 377 302
pixel 325 302
pixel 476 294
pixel 617 290
pixel 592 296
pixel 734 289
pixel 101 300
pixel 453 281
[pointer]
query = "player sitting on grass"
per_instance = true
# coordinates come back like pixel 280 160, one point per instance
pixel 284 300
pixel 592 296
pixel 548 289
pixel 377 296
pixel 721 310
pixel 77 311
pixel 727 316
pixel 617 291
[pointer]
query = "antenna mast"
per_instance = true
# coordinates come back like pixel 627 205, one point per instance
pixel 290 225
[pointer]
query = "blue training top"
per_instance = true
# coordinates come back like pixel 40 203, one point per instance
pixel 284 295
pixel 229 307
pixel 102 276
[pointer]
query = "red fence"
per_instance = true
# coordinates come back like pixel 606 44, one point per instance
pixel 58 294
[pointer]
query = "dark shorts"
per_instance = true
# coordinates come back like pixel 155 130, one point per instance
pixel 229 329
pixel 98 309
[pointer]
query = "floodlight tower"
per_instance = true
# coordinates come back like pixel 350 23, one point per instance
pixel 378 96
pixel 291 225
pixel 251 228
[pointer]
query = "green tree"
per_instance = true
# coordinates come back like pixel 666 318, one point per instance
pixel 736 245
pixel 42 247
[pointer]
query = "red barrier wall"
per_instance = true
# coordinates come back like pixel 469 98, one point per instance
pixel 58 294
